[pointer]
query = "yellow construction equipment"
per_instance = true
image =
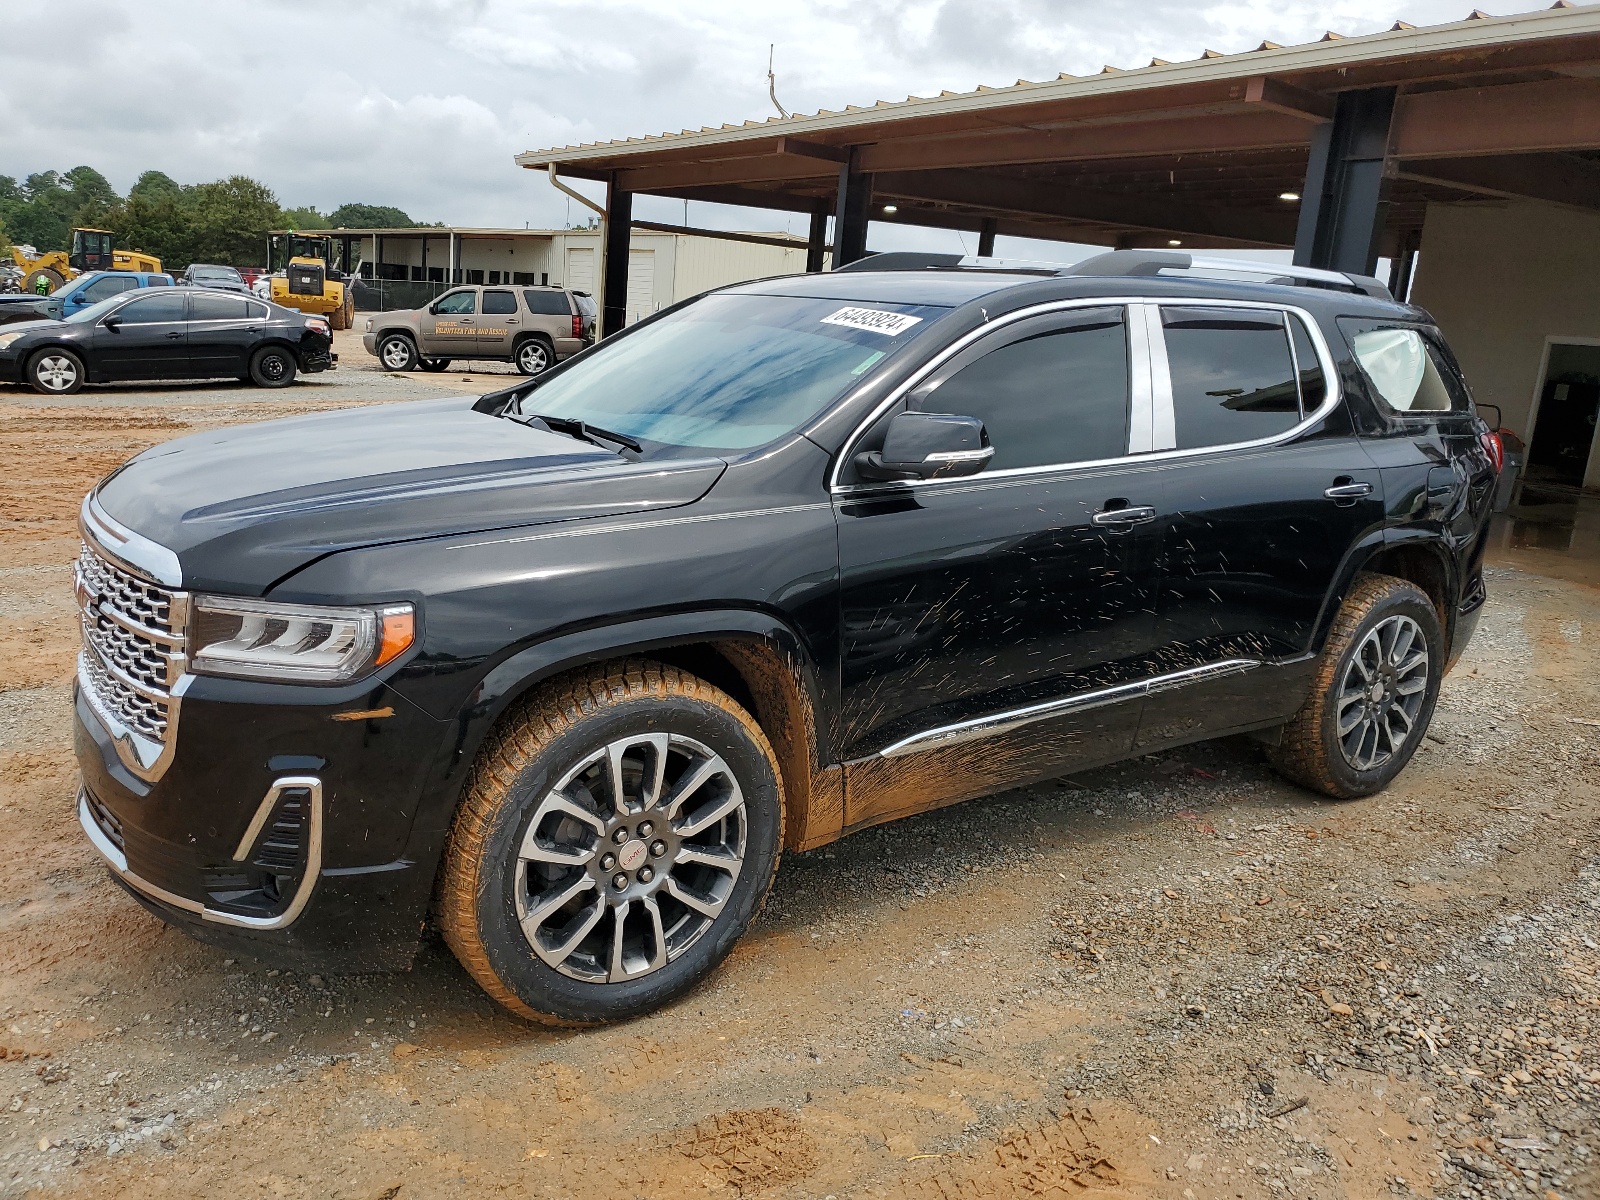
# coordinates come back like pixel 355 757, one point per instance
pixel 91 251
pixel 309 282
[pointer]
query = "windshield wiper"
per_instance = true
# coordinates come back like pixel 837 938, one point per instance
pixel 592 434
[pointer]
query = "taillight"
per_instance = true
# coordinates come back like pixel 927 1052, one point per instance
pixel 577 325
pixel 1494 448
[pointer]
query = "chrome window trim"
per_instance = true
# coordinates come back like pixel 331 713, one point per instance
pixel 1003 722
pixel 118 861
pixel 132 551
pixel 1141 382
pixel 1163 415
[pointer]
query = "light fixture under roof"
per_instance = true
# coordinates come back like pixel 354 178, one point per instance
pixel 891 208
pixel 1174 242
pixel 1288 195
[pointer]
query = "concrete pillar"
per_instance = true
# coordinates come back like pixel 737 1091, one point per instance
pixel 986 233
pixel 817 242
pixel 614 238
pixel 1346 193
pixel 851 213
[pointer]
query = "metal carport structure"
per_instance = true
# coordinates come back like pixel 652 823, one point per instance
pixel 1335 148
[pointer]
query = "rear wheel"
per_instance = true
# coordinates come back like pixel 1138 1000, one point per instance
pixel 272 367
pixel 397 352
pixel 1374 693
pixel 535 356
pixel 30 282
pixel 55 372
pixel 619 833
pixel 435 364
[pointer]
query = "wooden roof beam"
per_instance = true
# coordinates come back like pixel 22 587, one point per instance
pixel 1052 201
pixel 1516 118
pixel 1553 178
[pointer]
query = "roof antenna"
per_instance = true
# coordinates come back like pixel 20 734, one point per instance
pixel 772 83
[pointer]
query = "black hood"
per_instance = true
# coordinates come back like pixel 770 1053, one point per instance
pixel 31 325
pixel 244 506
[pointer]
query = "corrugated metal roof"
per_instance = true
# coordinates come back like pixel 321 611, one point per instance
pixel 1333 50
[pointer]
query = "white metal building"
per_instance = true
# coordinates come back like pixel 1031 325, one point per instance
pixel 665 265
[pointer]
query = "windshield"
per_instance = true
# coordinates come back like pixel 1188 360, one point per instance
pixel 730 372
pixel 88 316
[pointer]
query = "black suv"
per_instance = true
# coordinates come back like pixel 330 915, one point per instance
pixel 562 672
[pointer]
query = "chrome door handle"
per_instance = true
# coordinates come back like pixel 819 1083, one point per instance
pixel 1133 514
pixel 1348 491
pixel 174 336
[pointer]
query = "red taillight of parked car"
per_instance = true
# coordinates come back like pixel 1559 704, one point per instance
pixel 577 325
pixel 1494 448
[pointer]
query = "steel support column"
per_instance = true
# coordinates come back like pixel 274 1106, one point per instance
pixel 851 212
pixel 615 237
pixel 817 242
pixel 1346 193
pixel 986 233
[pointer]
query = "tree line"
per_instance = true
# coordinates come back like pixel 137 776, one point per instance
pixel 221 222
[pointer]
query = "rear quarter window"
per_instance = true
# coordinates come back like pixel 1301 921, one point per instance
pixel 1406 370
pixel 546 304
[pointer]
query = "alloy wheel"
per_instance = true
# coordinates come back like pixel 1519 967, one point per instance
pixel 532 358
pixel 396 354
pixel 1383 689
pixel 630 858
pixel 56 373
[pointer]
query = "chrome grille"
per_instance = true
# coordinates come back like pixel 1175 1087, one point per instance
pixel 133 645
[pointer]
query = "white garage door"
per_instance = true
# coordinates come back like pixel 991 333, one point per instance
pixel 580 270
pixel 641 284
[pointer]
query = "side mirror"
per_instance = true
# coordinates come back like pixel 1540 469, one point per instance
pixel 928 446
pixel 1494 425
pixel 112 322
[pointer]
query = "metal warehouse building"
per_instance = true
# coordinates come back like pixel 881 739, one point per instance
pixel 408 267
pixel 1470 151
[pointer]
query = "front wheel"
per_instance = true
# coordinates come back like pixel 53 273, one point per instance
pixel 618 834
pixel 1374 694
pixel 534 356
pixel 272 367
pixel 397 352
pixel 55 372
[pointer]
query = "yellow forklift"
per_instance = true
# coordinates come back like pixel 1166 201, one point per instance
pixel 304 277
pixel 91 251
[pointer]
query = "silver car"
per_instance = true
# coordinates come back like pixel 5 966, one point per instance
pixel 533 327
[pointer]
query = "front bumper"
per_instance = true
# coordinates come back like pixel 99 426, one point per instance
pixel 278 830
pixel 10 368
pixel 369 343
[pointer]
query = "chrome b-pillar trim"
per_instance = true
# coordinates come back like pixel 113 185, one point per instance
pixel 118 861
pixel 1002 722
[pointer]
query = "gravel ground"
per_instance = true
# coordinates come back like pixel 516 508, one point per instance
pixel 1180 977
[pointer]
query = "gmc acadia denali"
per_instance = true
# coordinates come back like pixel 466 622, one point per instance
pixel 562 672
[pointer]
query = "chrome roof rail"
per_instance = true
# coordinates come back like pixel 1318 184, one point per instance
pixel 1153 262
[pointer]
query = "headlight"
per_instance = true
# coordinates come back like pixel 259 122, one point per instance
pixel 7 338
pixel 369 325
pixel 296 643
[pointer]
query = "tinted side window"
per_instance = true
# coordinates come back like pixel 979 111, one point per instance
pixel 218 308
pixel 1232 377
pixel 148 310
pixel 457 304
pixel 110 286
pixel 499 304
pixel 254 311
pixel 546 303
pixel 1058 396
pixel 157 281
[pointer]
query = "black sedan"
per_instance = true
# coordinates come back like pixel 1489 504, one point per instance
pixel 173 333
pixel 210 275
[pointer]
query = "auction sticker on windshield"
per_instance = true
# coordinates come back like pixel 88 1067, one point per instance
pixel 873 320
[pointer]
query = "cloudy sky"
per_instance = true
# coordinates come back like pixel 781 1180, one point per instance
pixel 422 103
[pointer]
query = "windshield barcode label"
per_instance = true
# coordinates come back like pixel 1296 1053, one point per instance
pixel 872 320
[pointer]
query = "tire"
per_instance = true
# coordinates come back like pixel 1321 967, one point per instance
pixel 1369 675
pixel 397 352
pixel 434 364
pixel 30 282
pixel 337 319
pixel 534 356
pixel 561 740
pixel 55 372
pixel 272 367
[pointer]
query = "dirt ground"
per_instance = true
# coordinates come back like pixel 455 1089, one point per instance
pixel 1178 978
